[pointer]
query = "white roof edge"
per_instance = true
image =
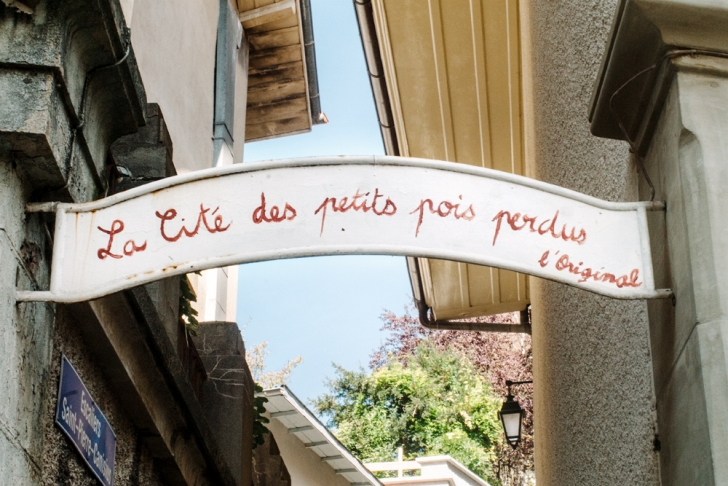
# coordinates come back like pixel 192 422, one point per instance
pixel 417 480
pixel 457 464
pixel 286 393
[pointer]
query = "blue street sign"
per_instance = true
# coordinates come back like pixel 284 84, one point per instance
pixel 80 418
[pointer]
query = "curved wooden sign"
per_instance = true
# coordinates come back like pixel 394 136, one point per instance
pixel 349 205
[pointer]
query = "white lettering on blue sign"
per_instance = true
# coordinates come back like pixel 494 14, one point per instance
pixel 82 421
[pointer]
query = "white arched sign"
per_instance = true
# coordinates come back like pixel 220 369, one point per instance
pixel 349 205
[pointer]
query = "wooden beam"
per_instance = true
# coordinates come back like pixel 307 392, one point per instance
pixel 289 126
pixel 316 444
pixel 287 108
pixel 271 92
pixel 282 72
pixel 291 21
pixel 275 38
pixel 268 58
pixel 267 13
pixel 296 430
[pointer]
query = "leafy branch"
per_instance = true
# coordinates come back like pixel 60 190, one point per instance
pixel 259 420
pixel 187 313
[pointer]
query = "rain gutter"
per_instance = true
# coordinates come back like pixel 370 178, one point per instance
pixel 317 116
pixel 425 311
pixel 370 44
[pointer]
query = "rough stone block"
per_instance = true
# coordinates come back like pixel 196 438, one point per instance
pixel 34 128
pixel 68 83
pixel 270 469
pixel 143 156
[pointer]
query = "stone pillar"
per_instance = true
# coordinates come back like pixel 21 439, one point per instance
pixel 675 115
pixel 228 394
pixel 593 397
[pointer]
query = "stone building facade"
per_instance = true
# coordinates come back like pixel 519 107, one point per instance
pixel 98 96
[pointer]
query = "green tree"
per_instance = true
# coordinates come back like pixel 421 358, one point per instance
pixel 430 402
pixel 497 357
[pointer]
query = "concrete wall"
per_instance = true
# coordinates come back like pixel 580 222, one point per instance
pixel 593 394
pixel 25 338
pixel 36 150
pixel 447 467
pixel 228 393
pixel 174 41
pixel 686 161
pixel 269 468
pixel 305 466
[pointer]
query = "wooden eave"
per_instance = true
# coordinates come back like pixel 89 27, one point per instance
pixel 278 90
pixel 453 92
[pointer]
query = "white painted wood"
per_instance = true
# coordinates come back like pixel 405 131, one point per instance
pixel 405 206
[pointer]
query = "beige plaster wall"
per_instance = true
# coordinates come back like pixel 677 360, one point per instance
pixel 305 466
pixel 127 6
pixel 593 393
pixel 174 42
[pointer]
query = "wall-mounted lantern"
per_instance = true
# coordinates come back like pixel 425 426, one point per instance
pixel 511 416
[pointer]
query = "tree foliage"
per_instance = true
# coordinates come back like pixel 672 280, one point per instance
pixel 496 356
pixel 259 420
pixel 429 401
pixel 255 357
pixel 187 313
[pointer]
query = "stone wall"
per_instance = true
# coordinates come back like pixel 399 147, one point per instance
pixel 33 336
pixel 61 463
pixel 69 88
pixel 594 411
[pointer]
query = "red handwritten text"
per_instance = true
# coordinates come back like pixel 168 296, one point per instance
pixel 444 209
pixel 517 222
pixel 129 248
pixel 275 216
pixel 358 202
pixel 564 264
pixel 170 214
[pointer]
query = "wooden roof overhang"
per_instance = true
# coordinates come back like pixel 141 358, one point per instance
pixel 283 96
pixel 446 78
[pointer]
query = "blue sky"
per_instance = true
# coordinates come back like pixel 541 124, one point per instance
pixel 325 309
